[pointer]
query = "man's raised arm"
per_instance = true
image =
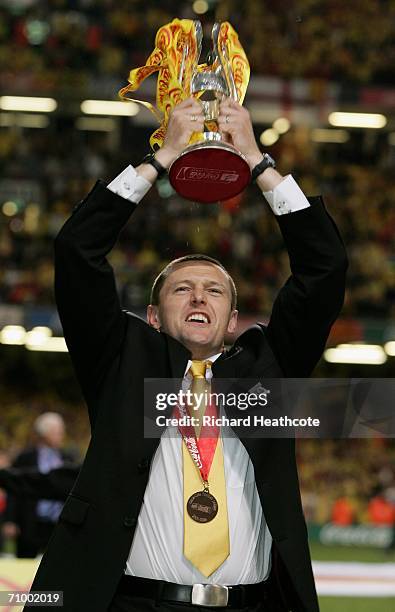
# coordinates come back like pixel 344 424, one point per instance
pixel 85 290
pixel 312 297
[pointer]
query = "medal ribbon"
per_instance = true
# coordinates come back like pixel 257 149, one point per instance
pixel 167 59
pixel 201 449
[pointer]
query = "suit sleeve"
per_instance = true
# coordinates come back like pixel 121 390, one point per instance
pixel 25 460
pixel 56 484
pixel 310 301
pixel 87 300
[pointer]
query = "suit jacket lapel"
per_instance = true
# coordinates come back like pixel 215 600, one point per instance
pixel 178 356
pixel 228 363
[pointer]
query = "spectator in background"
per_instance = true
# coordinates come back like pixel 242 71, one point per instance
pixel 389 494
pixel 381 511
pixel 4 463
pixel 31 522
pixel 343 512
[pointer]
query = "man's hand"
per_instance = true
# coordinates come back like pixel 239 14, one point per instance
pixel 235 123
pixel 186 118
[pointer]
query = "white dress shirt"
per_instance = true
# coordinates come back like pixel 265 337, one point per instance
pixel 285 198
pixel 157 548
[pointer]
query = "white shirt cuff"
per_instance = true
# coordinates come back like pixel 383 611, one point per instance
pixel 286 197
pixel 130 185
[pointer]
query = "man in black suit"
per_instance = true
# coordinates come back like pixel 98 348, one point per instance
pixel 118 545
pixel 31 522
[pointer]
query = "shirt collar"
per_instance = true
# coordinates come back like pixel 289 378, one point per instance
pixel 212 359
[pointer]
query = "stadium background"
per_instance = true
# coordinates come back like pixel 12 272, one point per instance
pixel 308 58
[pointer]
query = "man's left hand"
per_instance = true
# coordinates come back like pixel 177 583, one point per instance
pixel 234 122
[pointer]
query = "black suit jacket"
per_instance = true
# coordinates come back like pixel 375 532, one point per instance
pixel 112 352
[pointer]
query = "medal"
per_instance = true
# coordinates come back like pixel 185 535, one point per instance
pixel 202 507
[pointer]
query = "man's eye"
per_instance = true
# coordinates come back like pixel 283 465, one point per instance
pixel 183 288
pixel 214 290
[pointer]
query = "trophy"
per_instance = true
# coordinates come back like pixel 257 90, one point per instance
pixel 209 169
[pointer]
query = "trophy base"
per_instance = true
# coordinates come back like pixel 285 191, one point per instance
pixel 209 171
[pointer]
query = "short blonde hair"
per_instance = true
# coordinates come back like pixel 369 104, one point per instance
pixel 167 270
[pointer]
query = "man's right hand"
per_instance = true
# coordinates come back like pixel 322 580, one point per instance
pixel 186 118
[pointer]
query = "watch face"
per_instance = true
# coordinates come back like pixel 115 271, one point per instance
pixel 147 158
pixel 269 161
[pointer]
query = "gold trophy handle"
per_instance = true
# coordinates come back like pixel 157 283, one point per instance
pixel 199 38
pixel 222 57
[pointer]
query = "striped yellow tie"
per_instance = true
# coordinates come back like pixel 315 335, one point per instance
pixel 206 545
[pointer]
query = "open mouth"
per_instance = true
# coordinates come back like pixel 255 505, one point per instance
pixel 199 318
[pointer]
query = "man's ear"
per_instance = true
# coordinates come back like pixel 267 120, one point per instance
pixel 232 324
pixel 153 316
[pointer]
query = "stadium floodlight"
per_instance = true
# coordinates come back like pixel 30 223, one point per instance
pixel 53 344
pixel 24 103
pixel 364 354
pixel 95 124
pixel 38 336
pixel 282 125
pixel 389 348
pixel 9 208
pixel 329 135
pixel 109 107
pixel 13 334
pixel 200 7
pixel 24 120
pixel 358 120
pixel 40 339
pixel 269 137
pixel 33 121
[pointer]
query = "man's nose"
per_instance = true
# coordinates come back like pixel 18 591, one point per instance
pixel 198 296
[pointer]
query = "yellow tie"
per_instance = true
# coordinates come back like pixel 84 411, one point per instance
pixel 206 545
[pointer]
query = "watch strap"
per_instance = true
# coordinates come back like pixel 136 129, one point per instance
pixel 151 159
pixel 267 162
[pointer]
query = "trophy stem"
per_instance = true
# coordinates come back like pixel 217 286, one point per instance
pixel 212 136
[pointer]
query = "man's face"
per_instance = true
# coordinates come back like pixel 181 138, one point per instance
pixel 55 435
pixel 195 308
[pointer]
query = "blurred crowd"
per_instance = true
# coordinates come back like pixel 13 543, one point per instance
pixel 343 482
pixel 70 43
pixel 66 46
pixel 53 169
pixel 348 482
